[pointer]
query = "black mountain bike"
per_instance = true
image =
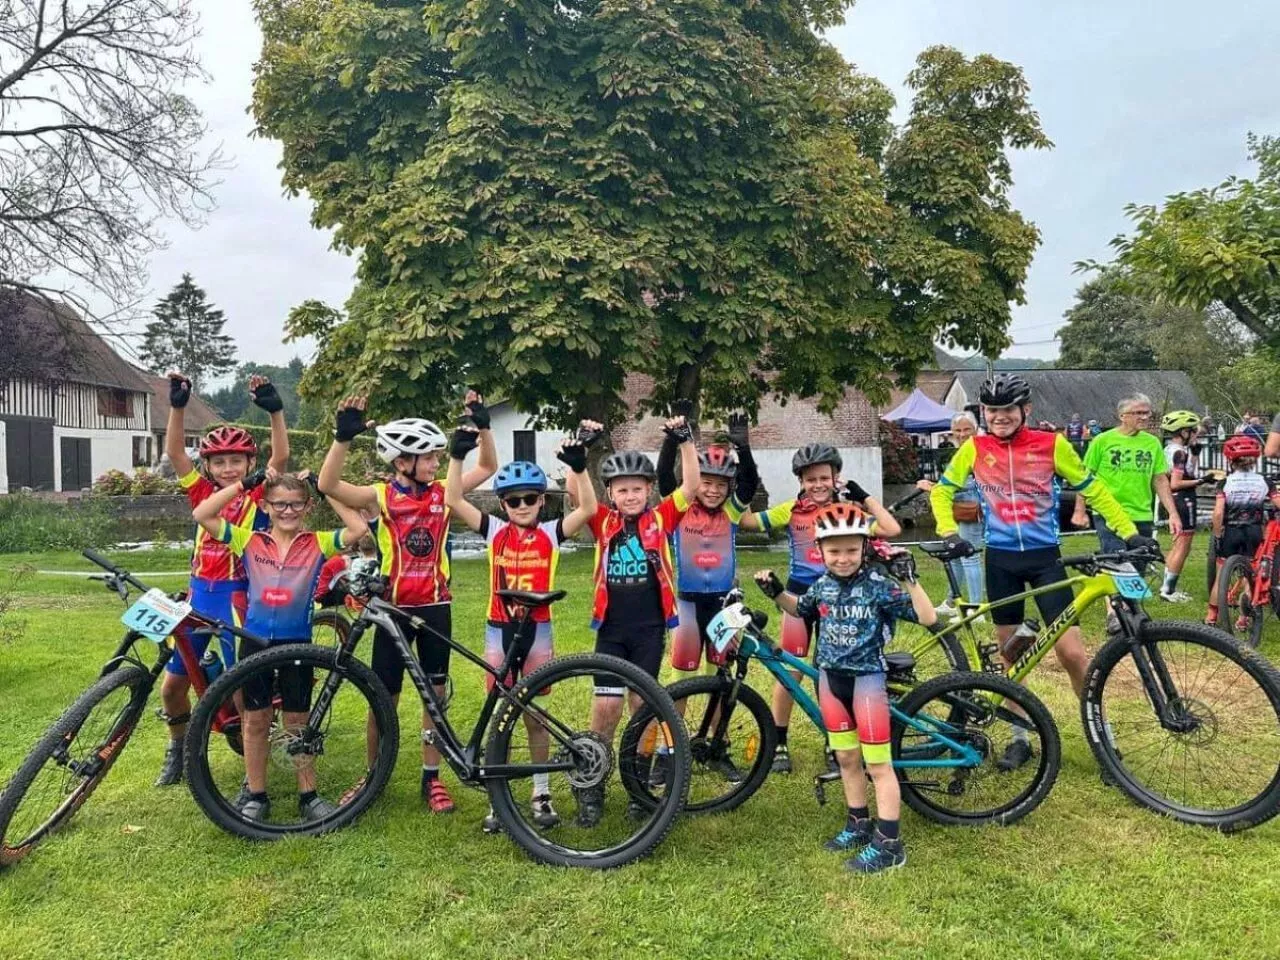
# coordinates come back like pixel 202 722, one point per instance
pixel 536 736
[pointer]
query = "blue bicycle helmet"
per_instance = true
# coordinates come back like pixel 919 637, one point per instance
pixel 520 475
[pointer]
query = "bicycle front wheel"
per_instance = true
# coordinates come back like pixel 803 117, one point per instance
pixel 1187 722
pixel 565 718
pixel 1238 615
pixel 732 746
pixel 949 738
pixel 296 743
pixel 71 759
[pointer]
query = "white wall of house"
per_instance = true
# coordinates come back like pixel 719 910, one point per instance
pixel 108 450
pixel 4 460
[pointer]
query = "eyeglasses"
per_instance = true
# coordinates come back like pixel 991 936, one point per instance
pixel 1136 413
pixel 287 506
pixel 528 500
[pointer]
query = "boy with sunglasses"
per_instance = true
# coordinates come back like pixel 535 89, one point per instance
pixel 523 555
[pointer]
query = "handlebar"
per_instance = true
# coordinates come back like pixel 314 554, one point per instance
pixel 118 572
pixel 1119 556
pixel 899 504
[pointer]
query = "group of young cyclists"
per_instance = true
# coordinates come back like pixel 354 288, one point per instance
pixel 662 563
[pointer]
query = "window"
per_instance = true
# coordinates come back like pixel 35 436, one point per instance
pixel 142 451
pixel 525 445
pixel 113 403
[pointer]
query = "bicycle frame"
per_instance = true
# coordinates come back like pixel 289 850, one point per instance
pixel 1262 565
pixel 462 757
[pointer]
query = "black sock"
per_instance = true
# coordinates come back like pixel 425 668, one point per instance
pixel 888 829
pixel 782 735
pixel 305 798
pixel 856 814
pixel 429 774
pixel 260 796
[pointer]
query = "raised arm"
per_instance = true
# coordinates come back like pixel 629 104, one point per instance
pixel 677 428
pixel 748 479
pixel 175 443
pixel 207 513
pixel 487 465
pixel 573 454
pixel 266 397
pixel 464 441
pixel 667 466
pixel 350 423
pixel 354 525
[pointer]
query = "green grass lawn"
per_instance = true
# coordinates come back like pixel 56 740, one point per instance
pixel 141 873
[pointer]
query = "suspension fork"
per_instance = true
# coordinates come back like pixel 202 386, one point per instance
pixel 1156 679
pixel 722 703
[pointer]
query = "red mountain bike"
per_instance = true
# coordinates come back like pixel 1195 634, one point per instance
pixel 1245 587
pixel 78 751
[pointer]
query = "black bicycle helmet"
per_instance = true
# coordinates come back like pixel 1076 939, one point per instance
pixel 718 462
pixel 812 454
pixel 1004 390
pixel 627 463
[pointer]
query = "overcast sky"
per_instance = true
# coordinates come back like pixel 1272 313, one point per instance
pixel 1142 99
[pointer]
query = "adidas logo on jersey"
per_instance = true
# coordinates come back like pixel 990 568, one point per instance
pixel 628 561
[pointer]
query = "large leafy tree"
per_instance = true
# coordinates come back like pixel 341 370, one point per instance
pixel 548 196
pixel 1214 245
pixel 1107 328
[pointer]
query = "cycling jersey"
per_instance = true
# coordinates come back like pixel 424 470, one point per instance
pixel 1020 483
pixel 1180 458
pixel 797 516
pixel 1244 494
pixel 636 549
pixel 412 530
pixel 212 560
pixel 705 541
pixel 855 618
pixel 281 589
pixel 520 558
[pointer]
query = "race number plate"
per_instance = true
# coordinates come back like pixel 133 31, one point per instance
pixel 725 627
pixel 155 615
pixel 1133 587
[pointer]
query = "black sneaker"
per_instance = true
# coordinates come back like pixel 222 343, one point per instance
pixel 316 809
pixel 241 798
pixel 847 839
pixel 171 769
pixel 726 768
pixel 781 760
pixel 636 810
pixel 544 814
pixel 1016 754
pixel 491 824
pixel 879 855
pixel 661 768
pixel 256 810
pixel 590 805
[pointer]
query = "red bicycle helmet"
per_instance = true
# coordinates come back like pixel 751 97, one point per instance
pixel 228 440
pixel 1242 447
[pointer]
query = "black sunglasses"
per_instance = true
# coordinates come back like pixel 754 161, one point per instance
pixel 528 500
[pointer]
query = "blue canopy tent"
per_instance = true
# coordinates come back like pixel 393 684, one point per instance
pixel 919 414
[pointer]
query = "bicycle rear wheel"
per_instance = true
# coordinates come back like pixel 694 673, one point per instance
pixel 70 760
pixel 1238 615
pixel 978 711
pixel 562 713
pixel 936 650
pixel 306 748
pixel 1210 755
pixel 329 627
pixel 731 750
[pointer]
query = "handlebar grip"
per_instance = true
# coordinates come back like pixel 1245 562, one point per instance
pixel 99 559
pixel 759 619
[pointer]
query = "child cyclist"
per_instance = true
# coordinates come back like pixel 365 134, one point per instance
pixel 282 564
pixel 634 579
pixel 856 606
pixel 1239 512
pixel 413 525
pixel 817 466
pixel 523 555
pixel 227 455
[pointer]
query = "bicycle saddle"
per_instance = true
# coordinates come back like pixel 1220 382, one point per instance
pixel 900 661
pixel 941 551
pixel 528 598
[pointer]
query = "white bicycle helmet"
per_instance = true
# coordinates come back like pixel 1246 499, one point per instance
pixel 842 520
pixel 410 437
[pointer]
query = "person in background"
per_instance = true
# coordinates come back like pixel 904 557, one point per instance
pixel 1093 428
pixel 1239 512
pixel 967 510
pixel 1075 432
pixel 1182 453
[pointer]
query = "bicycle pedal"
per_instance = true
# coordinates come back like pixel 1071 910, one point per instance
pixel 819 791
pixel 429 737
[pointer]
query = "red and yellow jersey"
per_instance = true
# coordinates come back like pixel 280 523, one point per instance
pixel 213 560
pixel 650 551
pixel 412 529
pixel 520 558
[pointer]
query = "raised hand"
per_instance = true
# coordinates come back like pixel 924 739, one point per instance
pixel 590 431
pixel 476 410
pixel 573 455
pixel 737 430
pixel 678 429
pixel 264 394
pixel 465 439
pixel 350 421
pixel 179 391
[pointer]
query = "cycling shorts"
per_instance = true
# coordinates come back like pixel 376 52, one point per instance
pixel 1186 504
pixel 1243 538
pixel 498 638
pixel 292 682
pixel 433 653
pixel 1011 572
pixel 855 711
pixel 798 632
pixel 641 646
pixel 225 600
pixel 689 638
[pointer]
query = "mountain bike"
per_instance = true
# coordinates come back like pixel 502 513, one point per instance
pixel 947 733
pixel 78 751
pixel 1182 717
pixel 341 735
pixel 1245 587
